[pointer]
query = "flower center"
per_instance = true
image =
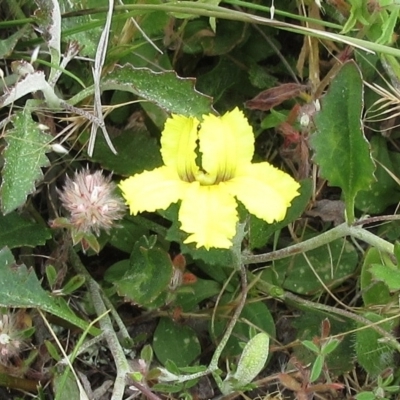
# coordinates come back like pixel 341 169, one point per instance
pixel 205 179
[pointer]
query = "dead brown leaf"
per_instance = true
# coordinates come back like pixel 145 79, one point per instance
pixel 272 97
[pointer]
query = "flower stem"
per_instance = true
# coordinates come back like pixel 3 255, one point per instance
pixel 213 366
pixel 238 266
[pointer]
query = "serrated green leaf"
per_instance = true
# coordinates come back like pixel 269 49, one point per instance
pixel 24 157
pixel 166 89
pixel 20 288
pixel 17 231
pixel 175 342
pixel 341 149
pixel 147 279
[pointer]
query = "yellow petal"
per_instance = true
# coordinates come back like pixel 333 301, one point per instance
pixel 265 191
pixel 208 214
pixel 225 143
pixel 152 190
pixel 178 145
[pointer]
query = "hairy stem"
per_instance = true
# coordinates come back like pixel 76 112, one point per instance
pixel 107 328
pixel 324 238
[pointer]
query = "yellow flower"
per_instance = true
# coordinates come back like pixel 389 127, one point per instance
pixel 206 166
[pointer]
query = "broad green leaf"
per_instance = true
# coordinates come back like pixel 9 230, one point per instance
pixel 389 276
pixel 200 290
pixel 65 386
pixel 175 342
pixel 20 288
pixel 217 81
pixel 172 388
pixel 137 151
pixel 397 251
pixel 253 314
pixel 230 35
pixel 17 231
pixel 73 284
pixel 373 354
pixel 384 191
pixel 329 346
pixel 126 234
pixel 146 281
pixel 327 265
pixel 341 149
pixel 23 158
pixel 84 29
pixel 311 346
pixel 166 89
pixel 273 119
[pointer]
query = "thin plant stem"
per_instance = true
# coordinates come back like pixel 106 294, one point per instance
pixel 283 295
pixel 217 354
pixel 145 390
pixel 324 238
pixel 123 332
pixel 106 326
pixel 241 268
pixel 83 348
pixel 390 339
pixel 213 366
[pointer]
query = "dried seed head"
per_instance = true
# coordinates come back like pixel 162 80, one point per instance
pixel 10 337
pixel 91 201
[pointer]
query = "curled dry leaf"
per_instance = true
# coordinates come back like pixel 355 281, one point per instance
pixel 272 97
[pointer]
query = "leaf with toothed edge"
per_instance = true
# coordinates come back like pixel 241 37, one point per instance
pixel 20 288
pixel 340 147
pixel 24 157
pixel 166 89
